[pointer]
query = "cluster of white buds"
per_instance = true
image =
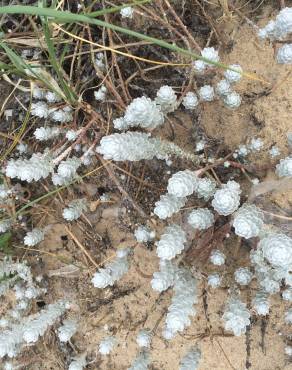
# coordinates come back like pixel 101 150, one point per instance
pixel 182 183
pixel 217 257
pixel 165 277
pixel 223 88
pixel 74 209
pixel 99 61
pixel 214 280
pixel 243 276
pixel 61 115
pixel 22 148
pixel 52 97
pixel 226 200
pixel 135 146
pixel 284 54
pixel 33 169
pixel 167 205
pixel 279 28
pixel 129 146
pixel 206 93
pixel 205 188
pixel 236 317
pixel 113 272
pixel 190 101
pixel 256 144
pixel 141 362
pixel 144 338
pixel 100 94
pixel 288 316
pixel 107 344
pixel 40 109
pixel 191 359
pixel 287 294
pixel 34 237
pixel 201 218
pixel 248 221
pixel 143 234
pixel 5 225
pixel 67 169
pixel 142 112
pixel 166 98
pixel 288 351
pixel 46 133
pixel 171 242
pixel 78 363
pixel 29 329
pixel 232 100
pixel 234 74
pixel 67 330
pixel 72 135
pixel 208 53
pixel 185 296
pixel 260 303
pixel 127 12
pixel 277 249
pixel 284 168
pixel 274 151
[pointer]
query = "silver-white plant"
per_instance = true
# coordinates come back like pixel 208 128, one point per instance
pixel 190 101
pixel 40 109
pixel 236 317
pixel 100 94
pixel 144 338
pixel 208 53
pixel 284 168
pixel 113 272
pixel 37 167
pixel 107 345
pixel 166 98
pixel 191 359
pixel 214 280
pixel 226 200
pixel 78 363
pixel 231 75
pixel 67 330
pixel 171 242
pixel 165 277
pixel 232 100
pixel 277 249
pixel 217 257
pixel 260 303
pixel 46 133
pixel 248 221
pixel 182 183
pixel 205 188
pixel 68 167
pixel 74 209
pixel 223 88
pixel 141 362
pixel 201 218
pixel 287 294
pixel 127 12
pixel 145 113
pixel 34 237
pixel 284 54
pixel 279 28
pixel 243 276
pixel 167 205
pixel 181 308
pixel 206 93
pixel 143 234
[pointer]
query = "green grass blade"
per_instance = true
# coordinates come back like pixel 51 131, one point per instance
pixel 70 94
pixel 68 17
